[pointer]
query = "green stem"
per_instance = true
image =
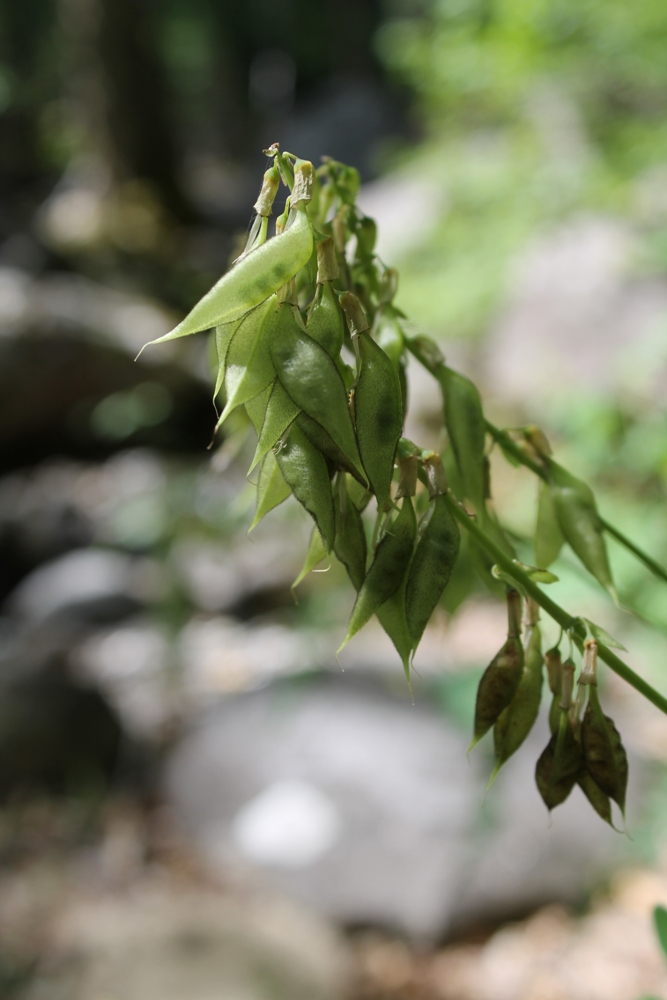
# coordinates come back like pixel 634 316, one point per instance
pixel 507 444
pixel 559 615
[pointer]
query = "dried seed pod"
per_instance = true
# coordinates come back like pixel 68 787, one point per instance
pixel 559 764
pixel 501 678
pixel 604 753
pixel 515 723
pixel 597 798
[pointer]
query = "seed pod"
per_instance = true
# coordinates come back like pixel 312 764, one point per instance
pixel 559 765
pixel 306 472
pixel 223 338
pixel 316 553
pixel 311 379
pixel 379 416
pixel 249 368
pixel 597 798
pixel 325 321
pixel 271 489
pixel 350 540
pixel 579 521
pixel 256 408
pixel 464 418
pixel 501 678
pixel 324 443
pixel 548 535
pixel 393 620
pixel 280 411
pixel 387 571
pixel 388 333
pixel 431 567
pixel 604 753
pixel 517 720
pixel 251 281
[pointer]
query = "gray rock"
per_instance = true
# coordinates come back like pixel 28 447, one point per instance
pixel 90 585
pixel 364 806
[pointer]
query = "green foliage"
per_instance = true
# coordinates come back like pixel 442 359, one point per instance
pixel 340 443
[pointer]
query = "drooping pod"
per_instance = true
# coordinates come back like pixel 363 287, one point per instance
pixel 280 412
pixel 305 471
pixel 464 419
pixel 350 539
pixel 604 754
pixel 385 574
pixel 559 765
pixel 272 489
pixel 579 521
pixel 516 721
pixel 310 378
pixel 252 280
pixel 431 567
pixel 501 678
pixel 248 366
pixel 379 415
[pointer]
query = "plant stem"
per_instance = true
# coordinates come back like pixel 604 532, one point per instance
pixel 559 615
pixel 507 444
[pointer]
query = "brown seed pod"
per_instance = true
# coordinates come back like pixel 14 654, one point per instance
pixel 604 753
pixel 597 798
pixel 558 766
pixel 498 686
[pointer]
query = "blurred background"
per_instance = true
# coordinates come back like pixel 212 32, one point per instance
pixel 194 801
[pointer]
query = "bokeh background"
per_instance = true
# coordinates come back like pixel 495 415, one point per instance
pixel 195 802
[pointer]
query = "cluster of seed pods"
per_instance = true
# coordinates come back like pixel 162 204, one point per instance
pixel 584 748
pixel 310 347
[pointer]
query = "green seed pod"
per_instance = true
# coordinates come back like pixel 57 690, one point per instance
pixel 464 419
pixel 280 412
pixel 604 753
pixel 387 571
pixel 324 443
pixel 271 489
pixel 579 521
pixel 325 322
pixel 501 678
pixel 251 281
pixel 517 720
pixel 431 567
pixel 315 555
pixel 223 338
pixel 392 618
pixel 350 540
pixel 559 765
pixel 388 333
pixel 249 368
pixel 379 416
pixel 311 379
pixel 548 535
pixel 358 494
pixel 305 470
pixel 256 408
pixel 597 798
